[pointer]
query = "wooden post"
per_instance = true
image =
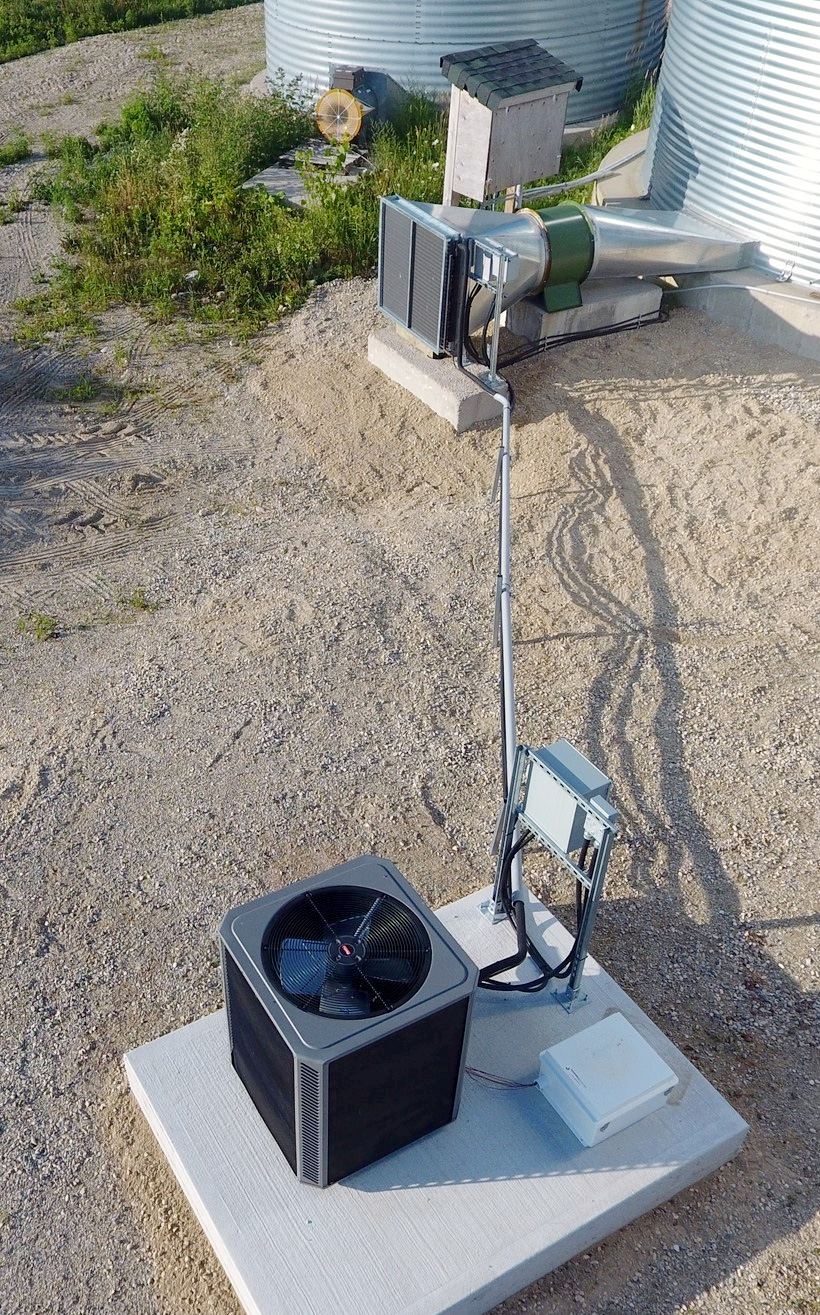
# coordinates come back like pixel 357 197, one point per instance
pixel 451 197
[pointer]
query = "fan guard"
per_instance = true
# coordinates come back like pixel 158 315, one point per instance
pixel 339 115
pixel 347 952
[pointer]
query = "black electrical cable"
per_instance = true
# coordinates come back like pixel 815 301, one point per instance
pixel 516 912
pixel 495 1080
pixel 471 351
pixel 485 355
pixel 564 339
pixel 517 916
pixel 513 960
pixel 505 883
pixel 580 902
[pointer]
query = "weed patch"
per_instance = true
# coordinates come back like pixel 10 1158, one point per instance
pixel 39 625
pixel 26 28
pixel 11 207
pixel 159 218
pixel 139 601
pixel 15 150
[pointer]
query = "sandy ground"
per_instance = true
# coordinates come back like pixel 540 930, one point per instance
pixel 318 682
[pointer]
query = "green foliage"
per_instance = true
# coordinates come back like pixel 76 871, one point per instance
pixel 27 26
pixel 39 624
pixel 11 206
pixel 159 217
pixel 139 601
pixel 582 159
pixel 84 389
pixel 15 150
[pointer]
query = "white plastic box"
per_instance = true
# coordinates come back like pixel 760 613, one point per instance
pixel 604 1078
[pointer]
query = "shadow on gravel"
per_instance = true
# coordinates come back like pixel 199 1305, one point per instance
pixel 710 985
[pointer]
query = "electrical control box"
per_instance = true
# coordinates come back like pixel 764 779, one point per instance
pixel 559 775
pixel 604 1079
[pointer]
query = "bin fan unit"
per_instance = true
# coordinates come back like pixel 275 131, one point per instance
pixel 348 1008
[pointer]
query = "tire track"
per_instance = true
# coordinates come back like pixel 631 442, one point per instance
pixel 69 509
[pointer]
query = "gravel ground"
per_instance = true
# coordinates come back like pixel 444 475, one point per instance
pixel 317 681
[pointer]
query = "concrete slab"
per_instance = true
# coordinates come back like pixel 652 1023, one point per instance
pixel 281 180
pixel 783 314
pixel 438 383
pixel 463 1218
pixel 605 302
pixel 624 185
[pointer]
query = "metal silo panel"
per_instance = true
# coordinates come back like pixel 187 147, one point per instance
pixel 736 125
pixel 608 42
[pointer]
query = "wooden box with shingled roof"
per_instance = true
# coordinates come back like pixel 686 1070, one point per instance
pixel 507 111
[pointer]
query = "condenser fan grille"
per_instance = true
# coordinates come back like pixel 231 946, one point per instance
pixel 347 952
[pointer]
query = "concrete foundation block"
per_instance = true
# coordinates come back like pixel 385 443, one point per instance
pixel 605 302
pixel 438 383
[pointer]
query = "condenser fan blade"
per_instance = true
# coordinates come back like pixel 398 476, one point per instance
pixel 389 970
pixel 344 1000
pixel 303 965
pixel 347 952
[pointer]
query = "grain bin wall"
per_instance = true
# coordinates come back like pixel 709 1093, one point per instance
pixel 609 43
pixel 736 125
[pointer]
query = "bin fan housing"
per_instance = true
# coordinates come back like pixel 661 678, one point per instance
pixel 348 1008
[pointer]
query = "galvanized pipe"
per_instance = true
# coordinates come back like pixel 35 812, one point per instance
pixel 631 242
pixel 575 242
pixel 505 611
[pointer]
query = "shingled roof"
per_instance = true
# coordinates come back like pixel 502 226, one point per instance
pixel 506 71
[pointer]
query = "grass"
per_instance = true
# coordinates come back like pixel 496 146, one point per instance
pixel 139 601
pixel 27 26
pixel 158 218
pixel 39 624
pixel 15 150
pixel 578 161
pixel 84 390
pixel 11 206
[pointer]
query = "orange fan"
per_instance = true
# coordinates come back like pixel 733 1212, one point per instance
pixel 339 115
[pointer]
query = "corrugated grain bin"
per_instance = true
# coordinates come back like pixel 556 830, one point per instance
pixel 736 126
pixel 609 43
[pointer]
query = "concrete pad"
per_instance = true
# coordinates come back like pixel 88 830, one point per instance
pixel 783 314
pixel 438 383
pixel 624 185
pixel 465 1217
pixel 286 181
pixel 605 302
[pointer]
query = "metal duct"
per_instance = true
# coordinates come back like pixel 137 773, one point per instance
pixel 736 125
pixel 609 42
pixel 613 243
pixel 521 234
pixel 630 242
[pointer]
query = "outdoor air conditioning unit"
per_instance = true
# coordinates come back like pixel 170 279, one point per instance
pixel 348 1009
